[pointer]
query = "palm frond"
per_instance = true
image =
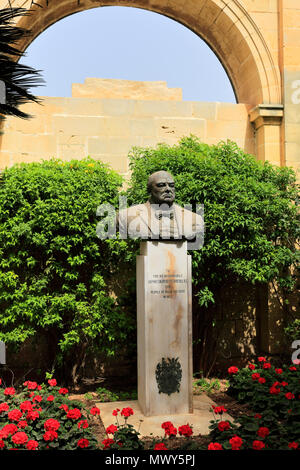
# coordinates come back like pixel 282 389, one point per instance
pixel 18 78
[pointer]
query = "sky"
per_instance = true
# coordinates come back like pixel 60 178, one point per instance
pixel 131 44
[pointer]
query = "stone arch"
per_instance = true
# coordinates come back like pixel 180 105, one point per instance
pixel 225 25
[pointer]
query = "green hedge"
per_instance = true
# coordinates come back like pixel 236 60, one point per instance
pixel 54 271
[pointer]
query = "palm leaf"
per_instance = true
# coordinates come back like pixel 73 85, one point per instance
pixel 18 78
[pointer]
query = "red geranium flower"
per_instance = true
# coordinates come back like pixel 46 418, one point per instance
pixel 2 444
pixel 51 424
pixel 9 391
pixel 83 443
pixel 32 445
pixel 258 445
pixel 289 396
pixel 107 443
pixel 32 415
pixel 50 436
pixel 8 430
pixel 274 390
pixel 236 442
pixel 95 411
pixel 22 424
pixel 111 429
pixel 214 446
pixel 262 359
pixel 37 398
pixel 170 430
pixel 83 424
pixel 185 430
pixel 15 415
pixel 126 412
pixel 219 409
pixel 267 365
pixel 166 424
pixel 262 380
pixel 223 425
pixel 255 376
pixel 63 391
pixel 19 438
pixel 233 370
pixel 160 446
pixel 293 445
pixel 30 385
pixel 115 412
pixel 4 407
pixel 292 368
pixel 52 382
pixel 74 413
pixel 263 432
pixel 257 416
pixel 64 407
pixel 26 406
pixel 251 366
pixel 50 398
pixel 278 371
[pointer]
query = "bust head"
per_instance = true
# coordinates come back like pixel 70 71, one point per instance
pixel 161 187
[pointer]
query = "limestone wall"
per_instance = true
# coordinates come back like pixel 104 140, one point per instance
pixel 106 128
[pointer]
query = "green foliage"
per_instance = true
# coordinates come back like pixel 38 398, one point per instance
pixel 292 330
pixel 127 438
pixel 261 388
pixel 106 395
pixel 88 396
pixel 54 271
pixel 274 405
pixel 128 395
pixel 208 385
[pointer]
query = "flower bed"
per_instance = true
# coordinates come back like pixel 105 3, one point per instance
pixel 273 395
pixel 42 417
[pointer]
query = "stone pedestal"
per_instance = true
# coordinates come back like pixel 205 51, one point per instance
pixel 164 328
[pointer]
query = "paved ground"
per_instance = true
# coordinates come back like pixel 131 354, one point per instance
pixel 151 426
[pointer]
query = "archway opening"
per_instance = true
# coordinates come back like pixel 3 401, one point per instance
pixel 131 44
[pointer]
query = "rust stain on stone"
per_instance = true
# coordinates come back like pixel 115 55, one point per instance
pixel 171 274
pixel 177 326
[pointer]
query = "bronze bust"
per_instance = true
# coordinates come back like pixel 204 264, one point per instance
pixel 160 218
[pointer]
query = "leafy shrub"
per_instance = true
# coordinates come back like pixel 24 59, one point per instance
pixel 251 222
pixel 292 330
pixel 55 273
pixel 208 386
pixel 42 417
pixel 273 396
pixel 106 395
